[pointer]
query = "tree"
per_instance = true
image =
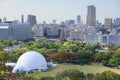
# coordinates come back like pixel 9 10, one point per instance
pixel 107 75
pixel 84 56
pixel 3 58
pixel 73 47
pixel 70 75
pixel 115 60
pixel 90 76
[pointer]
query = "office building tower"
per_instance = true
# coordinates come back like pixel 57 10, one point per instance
pixel 0 20
pixel 91 15
pixel 116 22
pixel 108 24
pixel 32 19
pixel 71 22
pixel 78 19
pixel 22 18
pixel 4 19
pixel 54 21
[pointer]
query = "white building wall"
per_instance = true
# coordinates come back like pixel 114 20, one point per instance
pixel 91 38
pixel 77 35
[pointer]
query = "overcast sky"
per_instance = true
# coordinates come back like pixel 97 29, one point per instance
pixel 58 9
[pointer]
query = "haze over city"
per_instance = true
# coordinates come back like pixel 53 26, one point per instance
pixel 47 10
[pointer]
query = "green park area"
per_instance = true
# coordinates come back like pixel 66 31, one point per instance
pixel 94 68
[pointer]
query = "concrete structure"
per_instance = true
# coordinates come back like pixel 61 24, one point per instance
pixel 22 31
pixel 90 36
pixel 108 24
pixel 52 30
pixel 71 22
pixel 32 19
pixel 4 31
pixel 114 39
pixel 63 33
pixel 0 20
pixel 12 31
pixel 22 18
pixel 116 23
pixel 4 19
pixel 78 21
pixel 38 31
pixel 77 34
pixel 91 15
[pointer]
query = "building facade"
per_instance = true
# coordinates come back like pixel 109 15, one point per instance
pixel 108 24
pixel 4 31
pixel 32 19
pixel 91 15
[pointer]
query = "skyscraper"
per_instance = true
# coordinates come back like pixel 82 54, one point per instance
pixel 0 20
pixel 108 24
pixel 22 18
pixel 91 15
pixel 32 19
pixel 78 19
pixel 4 19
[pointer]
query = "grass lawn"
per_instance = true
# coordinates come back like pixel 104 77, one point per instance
pixel 84 68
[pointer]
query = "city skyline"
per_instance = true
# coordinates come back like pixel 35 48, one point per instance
pixel 47 10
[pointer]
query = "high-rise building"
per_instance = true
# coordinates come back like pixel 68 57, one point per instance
pixel 22 18
pixel 78 19
pixel 4 19
pixel 71 22
pixel 32 19
pixel 116 22
pixel 108 24
pixel 0 20
pixel 91 15
pixel 54 21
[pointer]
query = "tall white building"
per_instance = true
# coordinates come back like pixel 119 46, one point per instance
pixel 90 36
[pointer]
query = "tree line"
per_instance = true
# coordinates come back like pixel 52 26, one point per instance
pixel 64 52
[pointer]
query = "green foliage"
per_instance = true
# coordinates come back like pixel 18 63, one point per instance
pixel 107 75
pixel 115 60
pixel 90 76
pixel 73 47
pixel 71 75
pixel 47 78
pixel 84 56
pixel 75 52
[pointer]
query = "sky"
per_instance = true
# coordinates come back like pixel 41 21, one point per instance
pixel 61 10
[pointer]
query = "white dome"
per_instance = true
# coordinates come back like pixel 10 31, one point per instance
pixel 29 61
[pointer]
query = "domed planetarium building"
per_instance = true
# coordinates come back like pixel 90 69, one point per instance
pixel 30 61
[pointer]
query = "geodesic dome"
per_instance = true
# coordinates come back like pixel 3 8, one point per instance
pixel 30 61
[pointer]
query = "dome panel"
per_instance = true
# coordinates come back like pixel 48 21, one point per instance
pixel 30 60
